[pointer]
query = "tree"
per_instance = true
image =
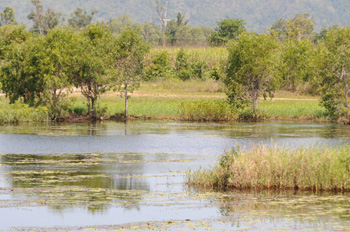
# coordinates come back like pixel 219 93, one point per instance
pixel 8 17
pixel 16 78
pixel 38 17
pixel 44 21
pixel 117 25
pixel 150 33
pixel 129 63
pixel 183 36
pixel 227 29
pixel 160 68
pixel 162 11
pixel 296 63
pixel 20 72
pixel 321 36
pixel 182 65
pixel 335 85
pixel 198 36
pixel 299 28
pixel 80 18
pixel 280 28
pixel 251 68
pixel 55 70
pixel 91 63
pixel 38 69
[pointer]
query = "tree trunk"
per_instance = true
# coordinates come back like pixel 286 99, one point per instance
pixel 255 108
pixel 93 105
pixel 126 102
pixel 163 33
pixel 89 106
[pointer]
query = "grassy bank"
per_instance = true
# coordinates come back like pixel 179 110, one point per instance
pixel 192 100
pixel 316 168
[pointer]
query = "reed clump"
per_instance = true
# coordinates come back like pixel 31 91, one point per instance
pixel 317 168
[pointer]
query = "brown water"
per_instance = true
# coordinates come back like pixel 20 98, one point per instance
pixel 132 177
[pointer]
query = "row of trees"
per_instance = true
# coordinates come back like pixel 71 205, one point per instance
pixel 43 69
pixel 259 64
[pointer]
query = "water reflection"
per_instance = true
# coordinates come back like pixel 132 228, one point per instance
pixel 95 181
pixel 162 137
pixel 237 130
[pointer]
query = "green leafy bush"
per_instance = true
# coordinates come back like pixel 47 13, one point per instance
pixel 160 68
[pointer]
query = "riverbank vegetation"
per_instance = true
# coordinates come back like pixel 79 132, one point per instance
pixel 317 168
pixel 47 65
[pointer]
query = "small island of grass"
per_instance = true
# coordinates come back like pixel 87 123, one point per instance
pixel 317 168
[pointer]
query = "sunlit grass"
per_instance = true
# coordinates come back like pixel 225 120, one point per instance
pixel 19 112
pixel 296 109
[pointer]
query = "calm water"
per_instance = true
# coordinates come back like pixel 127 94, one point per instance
pixel 115 176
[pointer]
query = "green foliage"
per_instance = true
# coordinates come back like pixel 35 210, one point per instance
pixel 335 84
pixel 299 28
pixel 297 65
pixel 251 69
pixel 7 17
pixel 37 70
pixel 80 18
pixel 182 65
pixel 198 69
pixel 11 34
pixel 207 110
pixel 128 60
pixel 160 68
pixel 150 33
pixel 55 71
pixel 90 66
pixel 18 73
pixel 227 29
pixel 44 21
pixel 120 24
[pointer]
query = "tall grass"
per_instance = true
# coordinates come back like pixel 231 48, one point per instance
pixel 296 109
pixel 19 112
pixel 209 55
pixel 192 86
pixel 139 107
pixel 318 168
pixel 207 110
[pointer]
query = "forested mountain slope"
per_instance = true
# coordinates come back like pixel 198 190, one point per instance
pixel 257 14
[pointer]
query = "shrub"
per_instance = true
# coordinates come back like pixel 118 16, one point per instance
pixel 160 68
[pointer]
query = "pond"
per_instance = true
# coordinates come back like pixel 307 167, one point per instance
pixel 132 177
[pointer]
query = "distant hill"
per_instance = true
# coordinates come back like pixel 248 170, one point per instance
pixel 258 15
